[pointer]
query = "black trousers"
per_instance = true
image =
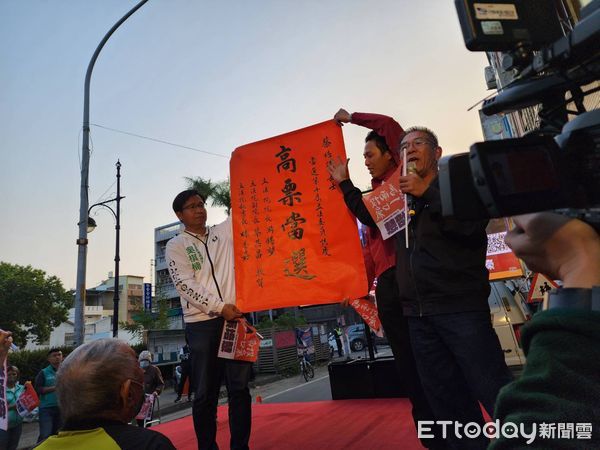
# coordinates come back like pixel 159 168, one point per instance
pixel 395 326
pixel 461 363
pixel 185 374
pixel 207 374
pixel 338 342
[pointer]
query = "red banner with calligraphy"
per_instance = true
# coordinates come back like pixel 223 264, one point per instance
pixel 295 241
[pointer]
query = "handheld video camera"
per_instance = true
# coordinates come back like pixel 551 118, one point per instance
pixel 556 166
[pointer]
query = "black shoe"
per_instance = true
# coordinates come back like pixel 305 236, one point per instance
pixel 178 399
pixel 189 399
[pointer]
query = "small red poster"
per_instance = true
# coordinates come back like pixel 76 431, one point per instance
pixel 386 205
pixel 500 260
pixel 28 400
pixel 368 311
pixel 146 409
pixel 239 341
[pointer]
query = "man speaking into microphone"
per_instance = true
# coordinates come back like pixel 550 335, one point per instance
pixel 411 167
pixel 444 287
pixel 381 157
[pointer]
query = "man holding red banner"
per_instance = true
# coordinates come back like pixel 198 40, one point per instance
pixel 200 262
pixel 382 159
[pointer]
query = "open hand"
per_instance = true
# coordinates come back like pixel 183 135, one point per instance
pixel 338 169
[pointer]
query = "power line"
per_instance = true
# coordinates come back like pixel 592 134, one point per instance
pixel 104 193
pixel 158 140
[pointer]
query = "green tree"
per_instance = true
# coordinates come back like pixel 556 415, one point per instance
pixel 31 302
pixel 147 320
pixel 219 193
pixel 222 196
pixel 286 321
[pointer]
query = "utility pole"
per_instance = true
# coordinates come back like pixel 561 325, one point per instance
pixel 82 241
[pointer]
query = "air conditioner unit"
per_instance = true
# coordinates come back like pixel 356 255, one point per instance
pixel 490 77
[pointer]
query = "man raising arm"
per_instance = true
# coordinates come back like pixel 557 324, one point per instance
pixel 382 159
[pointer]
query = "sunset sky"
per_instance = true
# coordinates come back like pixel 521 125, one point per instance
pixel 207 75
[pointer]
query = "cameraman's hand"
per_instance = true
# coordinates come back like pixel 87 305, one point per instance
pixel 342 116
pixel 557 246
pixel 230 312
pixel 413 184
pixel 338 169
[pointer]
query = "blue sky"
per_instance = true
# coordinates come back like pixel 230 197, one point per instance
pixel 209 75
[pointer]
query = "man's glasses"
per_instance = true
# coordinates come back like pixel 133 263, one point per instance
pixel 194 206
pixel 417 143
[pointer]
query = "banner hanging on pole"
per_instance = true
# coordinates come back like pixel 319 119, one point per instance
pixel 295 241
pixel 147 296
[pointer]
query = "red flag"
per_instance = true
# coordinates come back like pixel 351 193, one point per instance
pixel 368 311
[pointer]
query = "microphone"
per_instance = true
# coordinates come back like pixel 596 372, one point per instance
pixel 411 167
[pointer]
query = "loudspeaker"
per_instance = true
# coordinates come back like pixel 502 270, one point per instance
pixel 365 379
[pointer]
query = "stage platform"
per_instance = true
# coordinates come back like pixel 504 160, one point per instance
pixel 383 424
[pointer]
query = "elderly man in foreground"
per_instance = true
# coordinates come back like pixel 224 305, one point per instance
pixel 100 389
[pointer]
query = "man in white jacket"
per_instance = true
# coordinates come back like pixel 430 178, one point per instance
pixel 200 261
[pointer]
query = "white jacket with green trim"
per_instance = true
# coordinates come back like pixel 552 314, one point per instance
pixel 201 268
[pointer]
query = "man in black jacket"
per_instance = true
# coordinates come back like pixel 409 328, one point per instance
pixel 444 288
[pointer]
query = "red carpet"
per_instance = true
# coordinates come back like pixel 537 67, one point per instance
pixel 383 424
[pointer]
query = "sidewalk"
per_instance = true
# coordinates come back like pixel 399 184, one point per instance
pixel 167 406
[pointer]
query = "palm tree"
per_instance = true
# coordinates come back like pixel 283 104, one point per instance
pixel 222 196
pixel 219 193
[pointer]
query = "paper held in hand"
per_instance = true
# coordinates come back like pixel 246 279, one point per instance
pixel 146 409
pixel 368 311
pixel 239 341
pixel 386 205
pixel 28 400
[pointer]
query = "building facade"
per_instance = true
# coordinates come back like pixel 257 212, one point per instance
pixel 518 123
pixel 164 290
pixel 99 300
pixel 98 313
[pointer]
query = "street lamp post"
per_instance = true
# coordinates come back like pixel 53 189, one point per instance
pixel 90 227
pixel 82 241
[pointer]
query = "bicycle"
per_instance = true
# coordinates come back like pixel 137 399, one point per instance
pixel 306 368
